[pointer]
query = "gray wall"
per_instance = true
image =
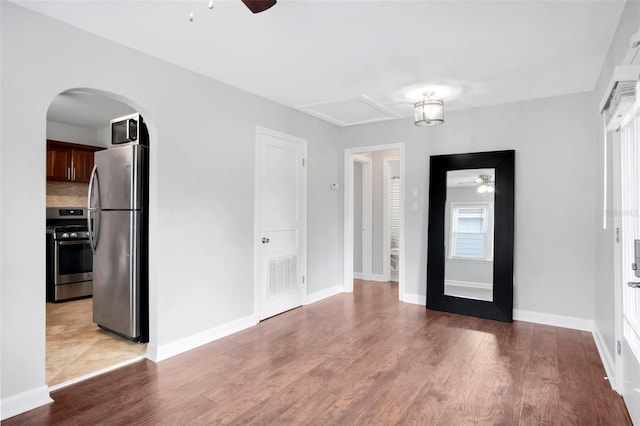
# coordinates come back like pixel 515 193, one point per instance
pixel 554 244
pixel 76 134
pixel 201 185
pixel 603 260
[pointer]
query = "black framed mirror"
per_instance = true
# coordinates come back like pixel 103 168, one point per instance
pixel 470 239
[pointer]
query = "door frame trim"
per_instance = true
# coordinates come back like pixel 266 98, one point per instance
pixel 256 214
pixel 349 154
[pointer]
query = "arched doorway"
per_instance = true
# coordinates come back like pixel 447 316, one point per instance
pixel 77 126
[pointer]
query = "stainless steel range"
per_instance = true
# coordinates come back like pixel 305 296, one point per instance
pixel 69 255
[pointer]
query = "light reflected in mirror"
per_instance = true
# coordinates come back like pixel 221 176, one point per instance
pixel 469 213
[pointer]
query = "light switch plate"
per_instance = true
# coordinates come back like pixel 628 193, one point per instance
pixel 414 193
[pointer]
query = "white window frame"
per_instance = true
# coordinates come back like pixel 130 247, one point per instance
pixel 488 231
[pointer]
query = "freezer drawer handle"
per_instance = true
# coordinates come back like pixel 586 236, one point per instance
pixel 633 284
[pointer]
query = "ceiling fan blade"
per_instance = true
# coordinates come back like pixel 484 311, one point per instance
pixel 257 6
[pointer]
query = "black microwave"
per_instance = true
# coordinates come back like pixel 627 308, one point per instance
pixel 127 129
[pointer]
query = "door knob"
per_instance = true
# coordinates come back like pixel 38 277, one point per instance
pixel 633 284
pixel 265 240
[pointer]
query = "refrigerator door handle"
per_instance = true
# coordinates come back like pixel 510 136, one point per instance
pixel 92 242
pixel 92 178
pixel 90 209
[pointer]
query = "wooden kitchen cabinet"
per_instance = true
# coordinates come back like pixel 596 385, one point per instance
pixel 81 165
pixel 58 162
pixel 69 162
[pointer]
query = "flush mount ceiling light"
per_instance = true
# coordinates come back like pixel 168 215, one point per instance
pixel 429 111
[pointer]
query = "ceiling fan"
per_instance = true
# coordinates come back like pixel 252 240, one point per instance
pixel 484 181
pixel 257 6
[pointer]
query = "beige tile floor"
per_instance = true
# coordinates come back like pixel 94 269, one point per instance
pixel 76 346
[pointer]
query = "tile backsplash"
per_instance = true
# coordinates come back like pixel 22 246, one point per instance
pixel 67 194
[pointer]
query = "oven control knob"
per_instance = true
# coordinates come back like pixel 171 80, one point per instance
pixel 65 235
pixel 74 235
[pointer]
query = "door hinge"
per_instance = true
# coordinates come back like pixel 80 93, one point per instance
pixel 617 235
pixel 303 279
pixel 303 162
pixel 619 347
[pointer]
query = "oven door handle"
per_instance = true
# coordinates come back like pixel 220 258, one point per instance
pixel 94 177
pixel 72 243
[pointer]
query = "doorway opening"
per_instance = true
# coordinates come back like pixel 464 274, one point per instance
pixel 78 125
pixel 374 215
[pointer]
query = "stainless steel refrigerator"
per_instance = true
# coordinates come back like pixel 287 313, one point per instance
pixel 118 204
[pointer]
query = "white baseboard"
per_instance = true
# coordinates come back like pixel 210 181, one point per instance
pixel 606 357
pixel 373 277
pixel 162 352
pixel 554 320
pixel 379 277
pixel 522 315
pixel 468 284
pixel 323 294
pixel 25 401
pixel 416 299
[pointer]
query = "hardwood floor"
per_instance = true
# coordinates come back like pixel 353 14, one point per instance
pixel 361 358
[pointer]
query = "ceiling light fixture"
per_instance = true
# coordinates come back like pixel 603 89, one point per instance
pixel 486 184
pixel 429 111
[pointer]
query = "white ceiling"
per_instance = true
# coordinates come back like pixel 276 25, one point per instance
pixel 86 109
pixel 354 61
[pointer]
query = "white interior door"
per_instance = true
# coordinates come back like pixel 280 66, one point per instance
pixel 629 353
pixel 281 216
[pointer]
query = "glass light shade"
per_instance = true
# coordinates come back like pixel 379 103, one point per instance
pixel 429 112
pixel 490 188
pixel 482 189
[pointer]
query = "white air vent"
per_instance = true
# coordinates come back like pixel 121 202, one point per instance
pixel 350 111
pixel 283 275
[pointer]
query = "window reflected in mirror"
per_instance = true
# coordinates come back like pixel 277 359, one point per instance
pixel 469 231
